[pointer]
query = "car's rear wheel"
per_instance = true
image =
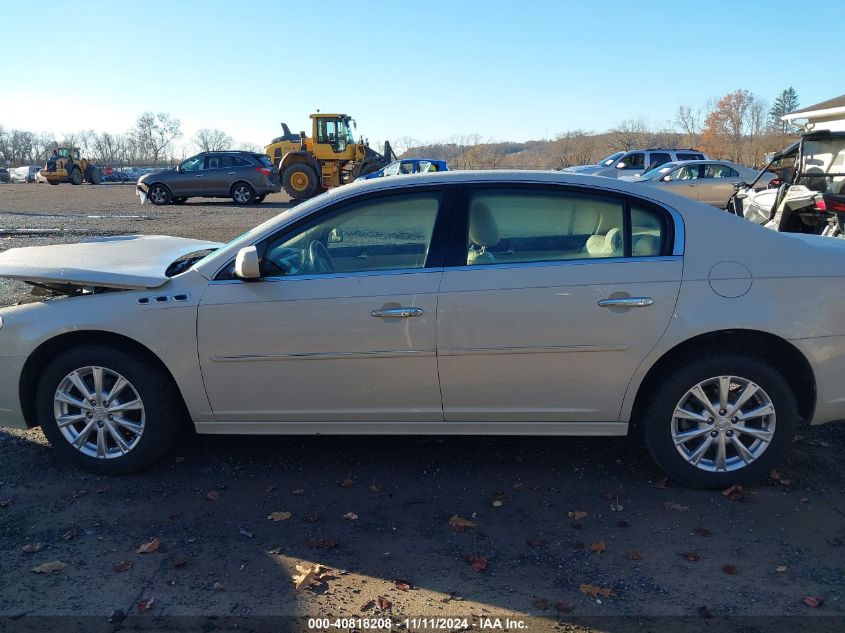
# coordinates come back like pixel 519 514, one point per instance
pixel 242 193
pixel 107 411
pixel 722 419
pixel 159 194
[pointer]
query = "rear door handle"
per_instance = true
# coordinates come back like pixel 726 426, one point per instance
pixel 397 313
pixel 231 173
pixel 627 302
pixel 199 175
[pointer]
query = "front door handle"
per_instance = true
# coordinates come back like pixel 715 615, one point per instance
pixel 627 302
pixel 397 313
pixel 199 176
pixel 231 173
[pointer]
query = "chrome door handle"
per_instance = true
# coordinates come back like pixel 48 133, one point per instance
pixel 397 313
pixel 231 173
pixel 199 175
pixel 627 302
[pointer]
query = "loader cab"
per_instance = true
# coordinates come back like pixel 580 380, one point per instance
pixel 68 153
pixel 333 137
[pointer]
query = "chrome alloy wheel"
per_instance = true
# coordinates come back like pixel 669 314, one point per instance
pixel 158 195
pixel 723 423
pixel 241 194
pixel 99 412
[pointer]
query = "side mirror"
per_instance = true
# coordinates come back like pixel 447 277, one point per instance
pixel 620 165
pixel 336 235
pixel 667 178
pixel 178 169
pixel 247 264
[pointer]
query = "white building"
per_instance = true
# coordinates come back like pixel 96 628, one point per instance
pixel 827 115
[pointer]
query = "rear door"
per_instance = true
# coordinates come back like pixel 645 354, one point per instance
pixel 717 184
pixel 554 298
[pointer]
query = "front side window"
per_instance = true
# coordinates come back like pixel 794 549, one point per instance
pixel 389 233
pixel 192 164
pixel 634 161
pixel 690 172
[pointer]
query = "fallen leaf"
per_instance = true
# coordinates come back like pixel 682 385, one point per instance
pixel 599 547
pixel 308 576
pixel 460 524
pixel 633 554
pixel 383 604
pixel 49 568
pixel 804 500
pixel 103 490
pixel 5 503
pixel 218 586
pixel 690 556
pixel 730 570
pixel 577 515
pixel 781 568
pixel 350 516
pixel 735 492
pixel 212 495
pixel 375 487
pixel 661 483
pixel 673 505
pixel 347 483
pixel 595 591
pixel 322 543
pixel 298 491
pixel 541 603
pixel 401 585
pixel 246 533
pixel 149 548
pixel 279 516
pixel 269 488
pixel 31 548
pixel 145 605
pixel 616 507
pixel 497 503
pixel 564 607
pixel 520 485
pixel 535 542
pixel 476 561
pixel 812 601
pixel 124 565
pixel 70 534
pixel 702 531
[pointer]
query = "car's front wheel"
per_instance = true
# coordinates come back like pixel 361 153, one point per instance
pixel 107 411
pixel 159 194
pixel 719 420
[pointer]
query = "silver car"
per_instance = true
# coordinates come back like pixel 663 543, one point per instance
pixel 524 303
pixel 709 181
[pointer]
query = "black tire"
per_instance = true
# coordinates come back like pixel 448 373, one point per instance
pixel 53 182
pixel 76 176
pixel 300 173
pixel 657 416
pixel 259 199
pixel 96 176
pixel 164 412
pixel 242 193
pixel 159 194
pixel 179 200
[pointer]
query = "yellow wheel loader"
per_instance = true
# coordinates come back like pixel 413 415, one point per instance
pixel 330 157
pixel 65 165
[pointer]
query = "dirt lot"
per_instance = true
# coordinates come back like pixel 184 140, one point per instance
pixel 559 530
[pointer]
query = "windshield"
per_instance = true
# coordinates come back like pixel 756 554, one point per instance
pixel 344 129
pixel 658 171
pixel 822 166
pixel 607 161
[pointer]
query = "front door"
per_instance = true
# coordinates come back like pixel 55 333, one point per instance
pixel 684 181
pixel 341 327
pixel 188 178
pixel 557 305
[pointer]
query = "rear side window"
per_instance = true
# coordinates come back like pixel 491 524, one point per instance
pixel 685 156
pixel 536 225
pixel 659 158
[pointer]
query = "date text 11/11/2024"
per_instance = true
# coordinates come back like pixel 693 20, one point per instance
pixel 419 624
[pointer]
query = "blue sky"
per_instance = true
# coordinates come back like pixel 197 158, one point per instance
pixel 427 70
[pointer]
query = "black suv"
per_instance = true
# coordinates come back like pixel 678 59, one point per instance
pixel 245 177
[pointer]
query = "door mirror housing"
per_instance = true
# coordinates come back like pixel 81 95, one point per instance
pixel 621 165
pixel 667 178
pixel 247 264
pixel 178 169
pixel 336 235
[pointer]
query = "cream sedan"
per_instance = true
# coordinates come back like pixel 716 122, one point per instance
pixel 459 303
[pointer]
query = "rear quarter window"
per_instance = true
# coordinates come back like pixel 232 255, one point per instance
pixel 683 156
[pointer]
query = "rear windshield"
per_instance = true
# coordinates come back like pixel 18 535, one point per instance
pixel 264 159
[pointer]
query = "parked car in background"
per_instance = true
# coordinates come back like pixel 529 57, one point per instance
pixel 466 303
pixel 408 166
pixel 636 162
pixel 5 176
pixel 246 177
pixel 24 174
pixel 709 181
pixel 808 169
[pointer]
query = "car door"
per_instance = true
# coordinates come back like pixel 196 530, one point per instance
pixel 341 326
pixel 717 184
pixel 550 305
pixel 188 177
pixel 683 181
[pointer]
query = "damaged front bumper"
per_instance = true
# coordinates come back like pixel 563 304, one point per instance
pixel 142 190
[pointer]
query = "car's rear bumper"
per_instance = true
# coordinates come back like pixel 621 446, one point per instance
pixel 11 414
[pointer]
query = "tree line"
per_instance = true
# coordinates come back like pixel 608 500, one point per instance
pixel 155 139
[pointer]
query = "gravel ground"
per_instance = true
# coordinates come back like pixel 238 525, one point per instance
pixel 554 519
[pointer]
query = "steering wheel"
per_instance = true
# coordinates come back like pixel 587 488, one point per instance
pixel 319 259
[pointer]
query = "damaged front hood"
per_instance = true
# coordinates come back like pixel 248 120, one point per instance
pixel 126 261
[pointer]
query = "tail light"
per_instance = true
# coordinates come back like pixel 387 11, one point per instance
pixel 834 203
pixel 821 207
pixel 264 170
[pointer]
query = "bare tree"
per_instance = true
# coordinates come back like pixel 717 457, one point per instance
pixel 246 146
pixel 689 122
pixel 756 123
pixel 212 140
pixel 107 148
pixel 631 134
pixel 405 143
pixel 153 134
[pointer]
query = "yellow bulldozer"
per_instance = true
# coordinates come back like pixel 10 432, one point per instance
pixel 330 157
pixel 65 165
